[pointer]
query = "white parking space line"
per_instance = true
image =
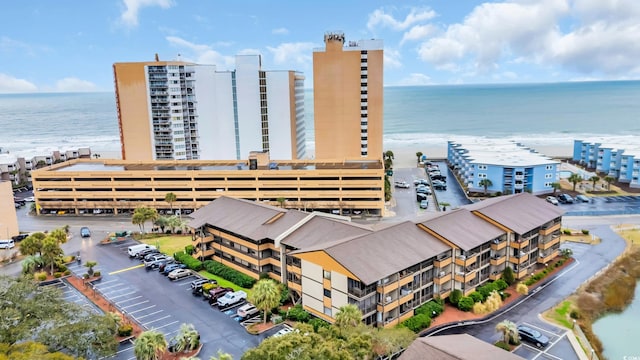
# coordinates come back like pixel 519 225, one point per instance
pixel 133 298
pixel 165 325
pixel 106 282
pixel 125 349
pixel 115 297
pixel 541 329
pixel 150 314
pixel 156 320
pixel 143 309
pixel 183 283
pixel 544 352
pixel 136 304
pixel 111 287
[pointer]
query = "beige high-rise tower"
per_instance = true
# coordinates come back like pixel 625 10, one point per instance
pixel 348 98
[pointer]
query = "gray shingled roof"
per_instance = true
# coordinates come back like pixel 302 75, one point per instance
pixel 376 255
pixel 246 218
pixel 455 347
pixel 463 228
pixel 320 230
pixel 520 212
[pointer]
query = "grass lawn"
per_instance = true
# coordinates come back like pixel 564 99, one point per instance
pixel 632 235
pixel 168 244
pixel 223 282
pixel 561 314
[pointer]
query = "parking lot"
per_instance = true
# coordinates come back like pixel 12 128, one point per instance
pixel 559 347
pixel 604 205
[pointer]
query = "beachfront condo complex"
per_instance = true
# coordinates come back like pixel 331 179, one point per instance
pixel 174 110
pixel 347 98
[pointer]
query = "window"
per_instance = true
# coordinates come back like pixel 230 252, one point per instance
pixel 327 293
pixel 327 311
pixel 548 176
pixel 482 167
pixel 326 274
pixel 482 176
pixel 548 167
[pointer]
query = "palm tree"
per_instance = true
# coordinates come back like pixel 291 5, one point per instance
pixel 265 296
pixel 509 331
pixel 138 219
pixel 609 180
pixel 175 222
pixel 485 183
pixel 348 316
pixel 32 245
pixel 187 339
pixel 574 179
pixel 281 201
pixel 556 186
pixel 170 198
pixel 51 251
pixel 143 214
pixel 149 345
pixel 419 155
pixel 389 155
pixel 594 179
pixel 161 222
pixel 30 263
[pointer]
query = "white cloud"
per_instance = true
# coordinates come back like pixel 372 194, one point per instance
pixel 415 79
pixel 380 18
pixel 201 54
pixel 249 51
pixel 72 84
pixel 292 53
pixel 10 84
pixel 129 16
pixel 418 32
pixel 590 37
pixel 280 31
pixel 392 58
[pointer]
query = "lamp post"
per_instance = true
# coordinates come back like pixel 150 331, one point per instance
pixel 574 324
pixel 592 353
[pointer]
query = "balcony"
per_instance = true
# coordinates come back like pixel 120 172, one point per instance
pixel 519 260
pixel 498 260
pixel 495 275
pixel 465 277
pixel 548 244
pixel 498 245
pixel 467 260
pixel 440 263
pixel 443 279
pixel 545 258
pixel 550 229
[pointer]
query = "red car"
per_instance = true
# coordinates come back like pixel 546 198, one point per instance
pixel 216 293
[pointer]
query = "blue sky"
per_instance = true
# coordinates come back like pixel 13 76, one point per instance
pixel 70 45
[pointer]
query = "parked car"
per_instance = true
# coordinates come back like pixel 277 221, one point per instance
pixel 29 199
pixel 552 200
pixel 196 285
pixel 420 197
pixel 154 256
pixel 424 204
pixel 85 232
pixel 565 199
pixel 247 310
pixel 173 343
pixel 179 274
pixel 439 185
pixel 155 261
pixel 583 198
pixel 215 294
pixel 143 253
pixel 423 189
pixel 170 267
pixel 284 331
pixel 134 250
pixel 533 336
pixel 232 298
pixel 439 177
pixel 402 184
pixel 20 237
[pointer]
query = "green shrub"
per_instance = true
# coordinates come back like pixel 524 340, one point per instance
pixel 455 296
pixel 508 276
pixel 85 276
pixel 62 268
pixel 566 232
pixel 477 297
pixel 191 262
pixel 264 275
pixel 465 303
pixel 41 276
pixel 189 249
pixel 57 274
pixel 228 273
pixel 97 273
pixel 297 313
pixel 585 231
pixel 67 272
pixel 318 323
pixel 417 323
pixel 432 308
pixel 574 314
pixel 501 284
pixel 503 345
pixel 486 290
pixel 125 330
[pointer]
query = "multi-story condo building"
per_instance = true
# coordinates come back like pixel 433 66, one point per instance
pixel 9 168
pixel 502 166
pixel 99 186
pixel 620 161
pixel 387 271
pixel 174 110
pixel 348 98
pixel 8 217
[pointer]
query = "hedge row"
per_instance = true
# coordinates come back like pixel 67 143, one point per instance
pixel 544 273
pixel 230 274
pixel 478 296
pixel 191 262
pixel 423 315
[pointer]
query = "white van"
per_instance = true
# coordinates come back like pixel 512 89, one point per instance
pixel 7 244
pixel 133 250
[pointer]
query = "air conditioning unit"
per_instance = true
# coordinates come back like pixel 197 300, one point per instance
pixel 388 298
pixel 442 273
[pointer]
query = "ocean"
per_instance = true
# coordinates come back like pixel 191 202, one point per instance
pixel 538 115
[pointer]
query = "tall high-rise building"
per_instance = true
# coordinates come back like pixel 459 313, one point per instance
pixel 183 111
pixel 347 96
